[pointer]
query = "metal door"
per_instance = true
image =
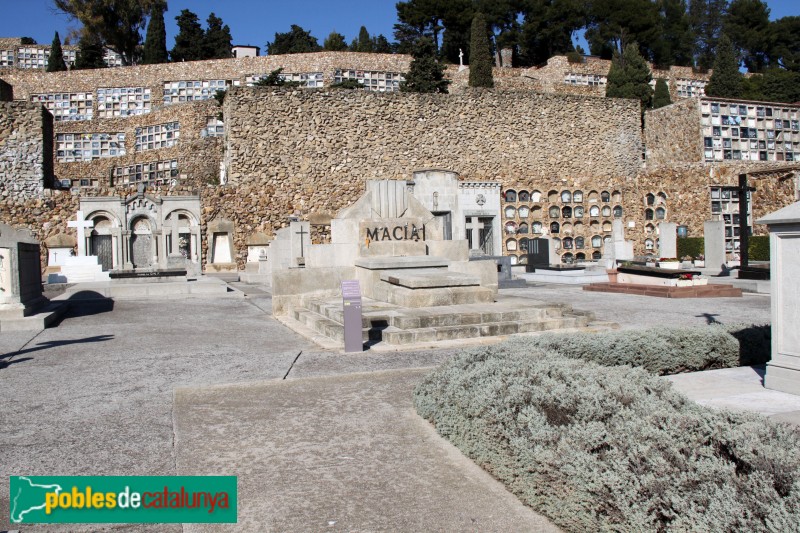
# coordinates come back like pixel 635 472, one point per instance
pixel 101 247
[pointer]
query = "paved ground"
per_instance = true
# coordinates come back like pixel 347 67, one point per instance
pixel 632 311
pixel 97 395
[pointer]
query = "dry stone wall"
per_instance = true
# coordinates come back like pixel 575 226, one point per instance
pixel 673 135
pixel 322 143
pixel 26 136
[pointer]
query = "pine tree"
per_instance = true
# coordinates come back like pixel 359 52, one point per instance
pixel 661 96
pixel 335 42
pixel 155 42
pixel 380 45
pixel 189 40
pixel 425 74
pixel 217 39
pixel 55 63
pixel 629 76
pixel 726 80
pixel 295 41
pixel 90 53
pixel 480 54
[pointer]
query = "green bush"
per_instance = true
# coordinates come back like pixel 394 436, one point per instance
pixel 758 247
pixel 660 350
pixel 693 246
pixel 602 449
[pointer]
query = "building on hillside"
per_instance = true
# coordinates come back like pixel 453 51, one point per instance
pixel 245 50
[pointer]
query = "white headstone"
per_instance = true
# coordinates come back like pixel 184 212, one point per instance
pixel 667 239
pixel 783 370
pixel 714 239
pixel 623 250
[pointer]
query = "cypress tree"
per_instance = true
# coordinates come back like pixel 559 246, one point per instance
pixel 364 43
pixel 189 40
pixel 55 62
pixel 90 53
pixel 629 76
pixel 480 54
pixel 155 42
pixel 217 39
pixel 726 80
pixel 425 74
pixel 661 96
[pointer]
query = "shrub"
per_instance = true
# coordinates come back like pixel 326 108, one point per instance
pixel 758 247
pixel 601 449
pixel 660 350
pixel 694 246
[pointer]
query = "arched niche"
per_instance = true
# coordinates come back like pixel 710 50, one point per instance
pixel 566 197
pixel 524 211
pixel 510 211
pixel 566 227
pixel 524 196
pixel 554 227
pixel 523 228
pixel 577 197
pixel 510 195
pixel 511 245
pixel 605 197
pixel 554 212
pixel 552 197
pixel 566 212
pixel 536 196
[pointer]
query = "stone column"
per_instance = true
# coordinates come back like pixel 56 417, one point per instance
pixel 783 370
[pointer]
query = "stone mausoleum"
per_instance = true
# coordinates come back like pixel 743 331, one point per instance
pixel 169 176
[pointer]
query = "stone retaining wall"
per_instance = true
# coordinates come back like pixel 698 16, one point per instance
pixel 26 136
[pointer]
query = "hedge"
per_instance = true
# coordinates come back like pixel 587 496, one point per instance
pixel 758 247
pixel 613 449
pixel 662 350
pixel 692 246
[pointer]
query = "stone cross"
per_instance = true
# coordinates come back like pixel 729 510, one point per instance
pixel 80 224
pixel 460 57
pixel 476 226
pixel 302 233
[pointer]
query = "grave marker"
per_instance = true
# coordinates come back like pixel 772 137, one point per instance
pixel 351 303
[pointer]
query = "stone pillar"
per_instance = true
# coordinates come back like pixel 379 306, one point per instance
pixel 714 239
pixel 783 371
pixel 506 56
pixel 667 239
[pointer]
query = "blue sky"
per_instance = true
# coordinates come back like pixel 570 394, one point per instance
pixel 252 21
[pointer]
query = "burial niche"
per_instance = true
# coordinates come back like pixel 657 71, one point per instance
pixel 142 249
pixel 101 242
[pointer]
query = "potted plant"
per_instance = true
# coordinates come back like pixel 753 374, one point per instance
pixel 685 281
pixel 700 261
pixel 670 263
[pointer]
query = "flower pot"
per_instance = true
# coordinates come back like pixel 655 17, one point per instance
pixel 612 275
pixel 684 283
pixel 670 265
pixel 699 264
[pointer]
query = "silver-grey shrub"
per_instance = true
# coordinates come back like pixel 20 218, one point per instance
pixel 662 350
pixel 613 449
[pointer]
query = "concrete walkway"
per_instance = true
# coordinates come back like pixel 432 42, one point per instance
pixel 738 389
pixel 343 453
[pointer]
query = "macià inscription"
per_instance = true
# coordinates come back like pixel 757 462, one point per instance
pixel 406 232
pixel 394 229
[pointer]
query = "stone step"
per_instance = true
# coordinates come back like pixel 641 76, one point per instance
pixel 413 298
pixel 414 321
pixel 396 336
